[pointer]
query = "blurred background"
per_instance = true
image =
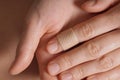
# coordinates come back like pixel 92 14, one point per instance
pixel 12 15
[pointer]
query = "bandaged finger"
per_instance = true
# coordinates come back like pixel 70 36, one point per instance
pixel 67 39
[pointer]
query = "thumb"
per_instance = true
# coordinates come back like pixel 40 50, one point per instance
pixel 28 44
pixel 94 6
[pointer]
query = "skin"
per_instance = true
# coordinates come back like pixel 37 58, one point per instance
pixel 43 22
pixel 98 57
pixel 40 21
pixel 39 30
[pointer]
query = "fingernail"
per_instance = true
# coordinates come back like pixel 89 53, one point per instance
pixel 92 78
pixel 53 68
pixel 67 76
pixel 90 3
pixel 52 46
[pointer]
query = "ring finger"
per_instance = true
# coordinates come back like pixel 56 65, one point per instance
pixel 103 64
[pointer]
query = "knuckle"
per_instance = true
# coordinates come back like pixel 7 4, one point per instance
pixel 105 63
pixel 80 73
pixel 67 61
pixel 87 31
pixel 93 49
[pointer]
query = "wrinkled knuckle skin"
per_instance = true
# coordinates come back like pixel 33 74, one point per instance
pixel 93 50
pixel 105 63
pixel 79 74
pixel 87 31
pixel 67 61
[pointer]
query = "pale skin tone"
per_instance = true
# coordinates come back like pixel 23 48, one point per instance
pixel 102 52
pixel 50 17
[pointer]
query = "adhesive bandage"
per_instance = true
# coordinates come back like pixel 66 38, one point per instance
pixel 67 39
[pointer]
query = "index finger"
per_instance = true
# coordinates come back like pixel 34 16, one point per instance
pixel 84 31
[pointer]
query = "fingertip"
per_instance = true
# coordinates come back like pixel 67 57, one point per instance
pixel 89 6
pixel 53 46
pixel 53 68
pixel 13 70
pixel 90 9
pixel 20 64
pixel 89 3
pixel 95 6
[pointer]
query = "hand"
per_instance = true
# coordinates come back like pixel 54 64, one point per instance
pixel 46 18
pixel 98 55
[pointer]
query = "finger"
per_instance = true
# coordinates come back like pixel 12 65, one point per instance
pixel 103 64
pixel 113 74
pixel 89 51
pixel 28 44
pixel 97 5
pixel 84 31
pixel 43 57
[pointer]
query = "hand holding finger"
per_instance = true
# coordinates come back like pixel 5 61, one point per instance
pixel 84 31
pixel 91 50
